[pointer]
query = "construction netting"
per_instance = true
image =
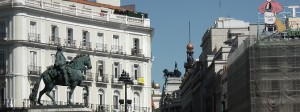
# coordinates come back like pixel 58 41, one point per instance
pixel 264 76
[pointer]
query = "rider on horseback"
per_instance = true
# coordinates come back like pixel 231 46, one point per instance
pixel 60 62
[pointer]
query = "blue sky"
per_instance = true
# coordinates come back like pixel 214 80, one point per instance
pixel 170 18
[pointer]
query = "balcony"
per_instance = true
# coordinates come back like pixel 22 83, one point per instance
pixel 34 37
pixel 102 108
pixel 102 78
pixel 3 70
pixel 114 79
pixel 54 40
pixel 85 45
pixel 88 76
pixel 100 47
pixel 70 43
pixel 34 70
pixel 116 49
pixel 138 81
pixel 136 52
pixel 3 36
pixel 81 12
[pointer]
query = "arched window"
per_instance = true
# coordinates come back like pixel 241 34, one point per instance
pixel 68 92
pixel 101 97
pixel 116 98
pixel 136 101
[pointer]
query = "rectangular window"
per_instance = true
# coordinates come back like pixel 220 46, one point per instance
pixel 116 70
pixel 70 35
pixel 32 28
pixel 2 96
pixel 2 63
pixel 54 32
pixel 116 101
pixel 100 68
pixel 100 38
pixel 100 99
pixel 85 37
pixel 136 43
pixel 33 59
pixel 115 44
pixel 136 69
pixel 2 29
pixel 52 59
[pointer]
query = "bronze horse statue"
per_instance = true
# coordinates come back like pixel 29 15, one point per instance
pixel 52 76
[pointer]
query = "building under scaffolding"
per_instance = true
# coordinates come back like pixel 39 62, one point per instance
pixel 267 73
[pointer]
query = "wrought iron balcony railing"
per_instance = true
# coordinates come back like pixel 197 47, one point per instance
pixel 136 52
pixel 114 79
pixel 100 47
pixel 70 43
pixel 102 77
pixel 136 80
pixel 85 45
pixel 34 37
pixel 116 49
pixel 34 70
pixel 102 108
pixel 54 40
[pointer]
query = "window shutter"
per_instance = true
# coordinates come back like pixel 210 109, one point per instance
pixel 120 70
pixel 56 32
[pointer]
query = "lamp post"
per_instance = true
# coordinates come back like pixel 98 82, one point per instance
pixel 126 79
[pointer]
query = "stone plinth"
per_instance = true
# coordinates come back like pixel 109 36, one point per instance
pixel 59 108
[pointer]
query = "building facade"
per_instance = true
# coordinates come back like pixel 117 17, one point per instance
pixel 31 30
pixel 201 88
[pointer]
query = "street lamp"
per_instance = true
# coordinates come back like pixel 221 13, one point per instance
pixel 126 79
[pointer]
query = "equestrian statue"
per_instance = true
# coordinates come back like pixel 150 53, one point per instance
pixel 62 73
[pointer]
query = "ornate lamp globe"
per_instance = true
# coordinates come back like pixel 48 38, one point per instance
pixel 189 46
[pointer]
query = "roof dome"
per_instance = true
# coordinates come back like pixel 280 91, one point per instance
pixel 155 86
pixel 189 46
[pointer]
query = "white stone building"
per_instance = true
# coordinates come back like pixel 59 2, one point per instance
pixel 30 31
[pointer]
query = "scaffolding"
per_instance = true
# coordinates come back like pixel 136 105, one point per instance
pixel 264 76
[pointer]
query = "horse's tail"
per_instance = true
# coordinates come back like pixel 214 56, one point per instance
pixel 32 96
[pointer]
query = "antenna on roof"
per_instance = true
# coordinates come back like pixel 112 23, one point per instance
pixel 189 31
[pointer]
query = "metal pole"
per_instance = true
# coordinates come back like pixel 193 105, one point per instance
pixel 125 97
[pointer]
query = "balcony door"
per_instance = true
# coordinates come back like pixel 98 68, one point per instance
pixel 116 70
pixel 85 38
pixel 70 36
pixel 101 97
pixel 116 98
pixel 54 33
pixel 2 96
pixel 100 42
pixel 136 44
pixel 2 29
pixel 100 66
pixel 33 59
pixel 115 47
pixel 2 63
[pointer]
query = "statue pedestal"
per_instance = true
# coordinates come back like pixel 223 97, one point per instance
pixel 59 108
